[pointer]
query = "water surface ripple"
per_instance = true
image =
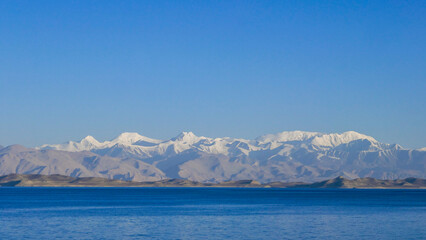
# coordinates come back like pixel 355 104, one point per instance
pixel 211 213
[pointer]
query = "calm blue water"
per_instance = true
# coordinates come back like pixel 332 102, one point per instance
pixel 211 213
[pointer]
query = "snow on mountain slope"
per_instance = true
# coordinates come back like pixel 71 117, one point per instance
pixel 335 139
pixel 315 138
pixel 285 156
pixel 288 136
pixel 137 144
pixel 88 143
pixel 21 160
pixel 129 138
pixel 85 144
pixel 133 145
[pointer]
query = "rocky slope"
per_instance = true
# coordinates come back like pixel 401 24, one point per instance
pixel 287 157
pixel 21 160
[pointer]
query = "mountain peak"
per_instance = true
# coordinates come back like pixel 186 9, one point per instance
pixel 89 139
pixel 353 134
pixel 315 138
pixel 188 137
pixel 16 148
pixel 335 139
pixel 129 138
pixel 289 156
pixel 187 134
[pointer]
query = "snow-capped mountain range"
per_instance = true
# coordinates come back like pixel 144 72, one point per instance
pixel 285 156
pixel 187 140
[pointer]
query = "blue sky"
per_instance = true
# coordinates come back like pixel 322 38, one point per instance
pixel 218 68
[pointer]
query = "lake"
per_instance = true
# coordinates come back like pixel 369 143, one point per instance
pixel 211 213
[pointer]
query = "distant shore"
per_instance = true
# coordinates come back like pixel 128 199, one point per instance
pixel 36 180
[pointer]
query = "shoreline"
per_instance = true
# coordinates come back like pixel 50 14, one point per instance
pixel 36 180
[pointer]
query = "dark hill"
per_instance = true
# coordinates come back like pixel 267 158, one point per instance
pixel 55 180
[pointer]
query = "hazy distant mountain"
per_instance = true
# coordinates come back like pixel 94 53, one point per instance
pixel 18 159
pixel 286 156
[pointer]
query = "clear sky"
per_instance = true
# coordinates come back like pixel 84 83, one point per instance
pixel 218 68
